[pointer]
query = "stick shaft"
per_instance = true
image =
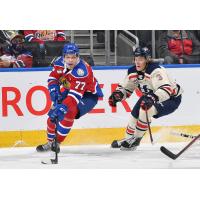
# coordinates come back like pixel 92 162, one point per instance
pixel 149 127
pixel 188 145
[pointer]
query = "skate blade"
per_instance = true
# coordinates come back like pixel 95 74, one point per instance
pixel 128 149
pixel 49 162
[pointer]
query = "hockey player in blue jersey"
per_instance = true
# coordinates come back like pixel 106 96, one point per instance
pixel 160 96
pixel 80 94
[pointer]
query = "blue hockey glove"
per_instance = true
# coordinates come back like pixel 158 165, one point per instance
pixel 58 112
pixel 148 101
pixel 55 94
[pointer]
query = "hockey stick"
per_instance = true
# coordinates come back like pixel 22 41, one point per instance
pixel 186 135
pixel 175 156
pixel 149 128
pixel 53 161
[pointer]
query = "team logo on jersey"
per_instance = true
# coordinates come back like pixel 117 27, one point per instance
pixel 159 77
pixel 135 82
pixel 140 77
pixel 80 72
pixel 66 84
pixel 59 71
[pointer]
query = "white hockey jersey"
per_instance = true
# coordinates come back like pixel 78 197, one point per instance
pixel 155 79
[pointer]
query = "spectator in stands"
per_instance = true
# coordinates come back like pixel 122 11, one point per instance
pixel 15 55
pixel 41 36
pixel 179 46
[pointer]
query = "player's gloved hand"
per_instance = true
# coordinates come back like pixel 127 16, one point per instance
pixel 115 97
pixel 58 112
pixel 55 93
pixel 148 101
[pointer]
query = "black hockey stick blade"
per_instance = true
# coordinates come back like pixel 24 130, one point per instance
pixel 168 153
pixel 174 156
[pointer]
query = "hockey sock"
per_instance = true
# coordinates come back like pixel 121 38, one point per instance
pixel 141 124
pixel 130 130
pixel 50 130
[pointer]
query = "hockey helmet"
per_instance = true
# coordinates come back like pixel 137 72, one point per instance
pixel 70 48
pixel 142 51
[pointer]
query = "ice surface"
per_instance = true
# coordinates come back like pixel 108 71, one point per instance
pixel 102 157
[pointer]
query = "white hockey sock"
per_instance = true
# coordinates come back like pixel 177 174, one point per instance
pixel 141 124
pixel 130 130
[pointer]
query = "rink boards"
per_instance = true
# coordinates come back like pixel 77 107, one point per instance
pixel 25 102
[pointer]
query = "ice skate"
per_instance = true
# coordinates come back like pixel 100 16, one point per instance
pixel 49 146
pixel 117 143
pixel 44 147
pixel 130 144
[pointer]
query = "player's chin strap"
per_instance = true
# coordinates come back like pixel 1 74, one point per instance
pixel 149 127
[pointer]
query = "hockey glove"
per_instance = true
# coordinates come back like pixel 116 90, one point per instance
pixel 148 101
pixel 55 94
pixel 58 112
pixel 115 97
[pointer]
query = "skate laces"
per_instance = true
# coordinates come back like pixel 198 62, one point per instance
pixel 134 141
pixel 131 140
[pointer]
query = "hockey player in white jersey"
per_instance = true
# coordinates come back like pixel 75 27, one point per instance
pixel 160 96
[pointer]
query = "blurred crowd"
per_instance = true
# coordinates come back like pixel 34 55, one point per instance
pixel 38 48
pixel 30 48
pixel 175 46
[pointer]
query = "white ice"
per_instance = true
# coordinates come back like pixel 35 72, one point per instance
pixel 102 157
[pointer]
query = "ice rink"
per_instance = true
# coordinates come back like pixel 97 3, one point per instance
pixel 147 156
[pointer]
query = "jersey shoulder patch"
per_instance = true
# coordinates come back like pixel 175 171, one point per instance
pixel 80 70
pixel 59 61
pixel 132 70
pixel 151 67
